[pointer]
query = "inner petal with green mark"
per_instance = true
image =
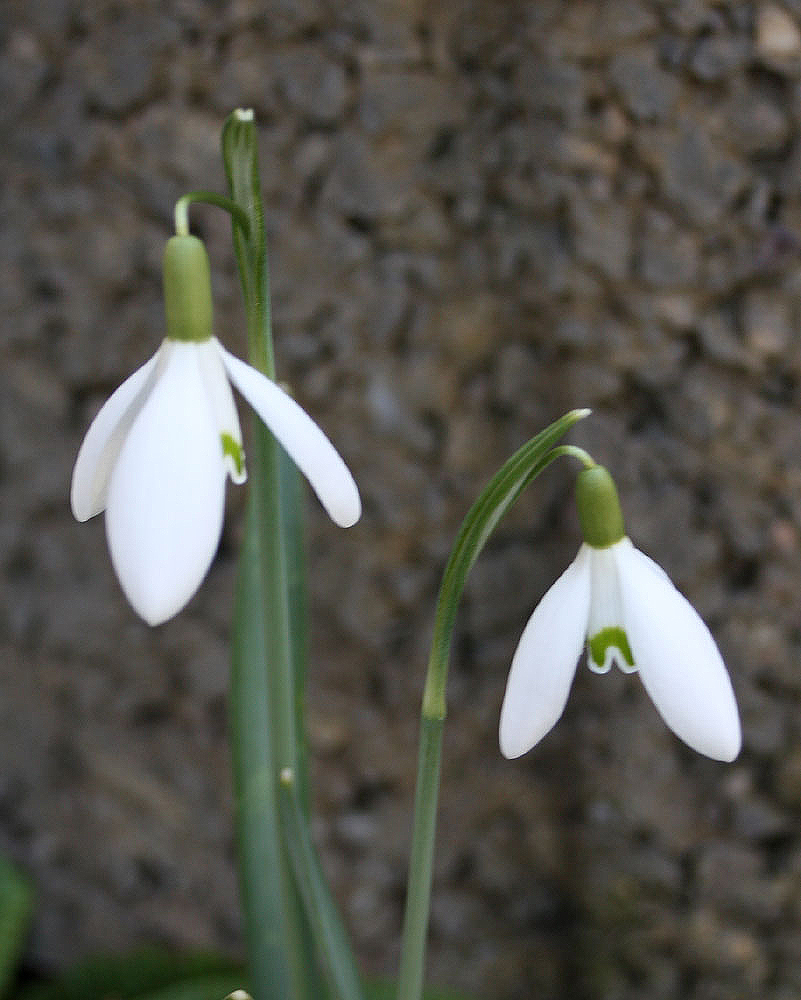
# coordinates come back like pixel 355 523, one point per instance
pixel 609 646
pixel 235 453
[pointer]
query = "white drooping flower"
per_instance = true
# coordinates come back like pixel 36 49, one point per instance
pixel 156 458
pixel 623 606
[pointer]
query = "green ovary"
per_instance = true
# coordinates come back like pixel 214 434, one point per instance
pixel 235 450
pixel 611 638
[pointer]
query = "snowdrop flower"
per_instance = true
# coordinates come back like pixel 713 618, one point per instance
pixel 157 454
pixel 618 601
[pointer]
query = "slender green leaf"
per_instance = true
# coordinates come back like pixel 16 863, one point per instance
pixel 386 990
pixel 130 976
pixel 326 922
pixel 293 508
pixel 204 988
pixel 271 608
pixel 264 727
pixel 16 908
pixel 241 161
pixel 258 832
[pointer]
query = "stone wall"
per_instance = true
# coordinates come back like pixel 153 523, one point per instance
pixel 482 213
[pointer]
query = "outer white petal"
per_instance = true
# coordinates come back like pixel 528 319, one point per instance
pixel 305 443
pixel 167 489
pixel 679 663
pixel 104 439
pixel 545 661
pixel 222 403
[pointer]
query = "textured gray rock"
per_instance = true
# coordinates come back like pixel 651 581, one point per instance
pixel 715 57
pixel 647 90
pixel 667 257
pixel 700 177
pixel 778 38
pixel 313 84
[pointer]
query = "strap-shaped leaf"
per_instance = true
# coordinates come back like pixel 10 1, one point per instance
pixel 203 988
pixel 128 977
pixel 241 161
pixel 16 907
pixel 267 655
pixel 270 651
pixel 386 990
pixel 327 926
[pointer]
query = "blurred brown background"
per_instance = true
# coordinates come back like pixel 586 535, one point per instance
pixel 481 214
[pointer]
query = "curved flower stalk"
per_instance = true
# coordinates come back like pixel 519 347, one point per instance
pixel 622 604
pixel 156 456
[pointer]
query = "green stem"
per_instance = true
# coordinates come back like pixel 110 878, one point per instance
pixel 301 912
pixel 268 656
pixel 327 925
pixel 258 834
pixel 280 667
pixel 208 198
pixel 481 520
pixel 571 451
pixel 421 861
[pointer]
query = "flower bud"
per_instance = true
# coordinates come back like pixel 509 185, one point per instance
pixel 187 289
pixel 599 508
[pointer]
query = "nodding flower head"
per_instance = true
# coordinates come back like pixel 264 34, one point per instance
pixel 622 606
pixel 156 456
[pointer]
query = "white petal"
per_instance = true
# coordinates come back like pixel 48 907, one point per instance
pixel 167 489
pixel 104 439
pixel 606 610
pixel 222 404
pixel 305 443
pixel 545 661
pixel 679 663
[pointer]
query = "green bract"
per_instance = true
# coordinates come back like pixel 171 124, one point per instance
pixel 599 507
pixel 187 289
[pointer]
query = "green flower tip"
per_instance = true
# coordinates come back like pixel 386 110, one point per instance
pixel 603 646
pixel 235 452
pixel 187 289
pixel 599 508
pixel 244 114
